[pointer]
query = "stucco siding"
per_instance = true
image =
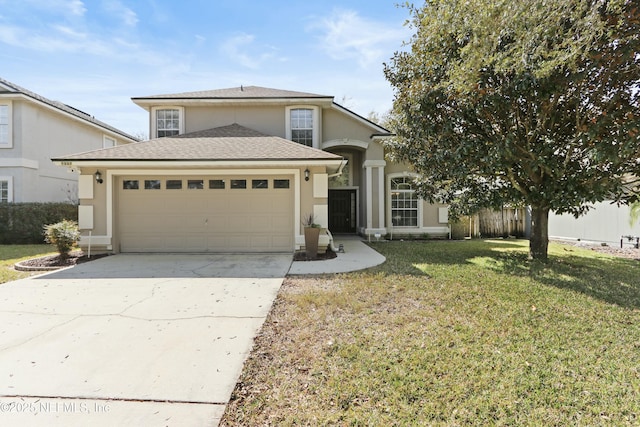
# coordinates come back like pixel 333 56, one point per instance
pixel 269 120
pixel 337 125
pixel 40 134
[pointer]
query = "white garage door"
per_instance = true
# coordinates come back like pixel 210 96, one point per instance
pixel 205 214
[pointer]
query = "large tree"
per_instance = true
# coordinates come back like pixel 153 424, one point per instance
pixel 520 102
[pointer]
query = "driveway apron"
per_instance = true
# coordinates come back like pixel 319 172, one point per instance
pixel 132 339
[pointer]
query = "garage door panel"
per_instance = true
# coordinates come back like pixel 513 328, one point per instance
pixel 205 220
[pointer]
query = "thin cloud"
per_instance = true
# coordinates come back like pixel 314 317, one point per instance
pixel 240 49
pixel 347 35
pixel 123 13
pixel 61 7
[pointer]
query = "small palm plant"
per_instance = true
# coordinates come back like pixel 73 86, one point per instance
pixel 308 221
pixel 63 235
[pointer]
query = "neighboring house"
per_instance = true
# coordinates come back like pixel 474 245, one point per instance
pixel 33 129
pixel 606 223
pixel 235 170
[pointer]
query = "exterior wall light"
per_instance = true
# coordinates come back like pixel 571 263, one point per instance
pixel 98 177
pixel 306 174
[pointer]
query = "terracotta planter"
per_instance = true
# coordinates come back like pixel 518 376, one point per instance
pixel 311 237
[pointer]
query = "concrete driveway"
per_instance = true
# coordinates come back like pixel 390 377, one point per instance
pixel 145 340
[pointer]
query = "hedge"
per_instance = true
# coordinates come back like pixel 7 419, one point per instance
pixel 23 223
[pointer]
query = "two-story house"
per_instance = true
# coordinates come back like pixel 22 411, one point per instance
pixel 33 129
pixel 235 170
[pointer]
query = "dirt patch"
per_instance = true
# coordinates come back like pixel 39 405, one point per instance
pixel 54 262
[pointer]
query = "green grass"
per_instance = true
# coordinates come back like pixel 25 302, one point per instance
pixel 10 254
pixel 452 333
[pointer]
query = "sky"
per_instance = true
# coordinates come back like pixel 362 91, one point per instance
pixel 95 55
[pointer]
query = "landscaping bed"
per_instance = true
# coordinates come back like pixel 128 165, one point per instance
pixel 54 262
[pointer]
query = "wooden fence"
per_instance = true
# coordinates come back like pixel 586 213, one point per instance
pixel 504 223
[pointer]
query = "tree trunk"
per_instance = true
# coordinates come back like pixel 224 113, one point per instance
pixel 539 242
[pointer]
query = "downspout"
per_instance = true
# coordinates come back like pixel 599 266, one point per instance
pixel 342 165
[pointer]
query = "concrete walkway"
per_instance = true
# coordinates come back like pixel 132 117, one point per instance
pixel 357 256
pixel 144 340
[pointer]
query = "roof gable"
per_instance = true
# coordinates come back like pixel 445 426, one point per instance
pixel 226 143
pixel 7 87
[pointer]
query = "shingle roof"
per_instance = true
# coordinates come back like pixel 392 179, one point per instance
pixel 15 89
pixel 242 92
pixel 233 142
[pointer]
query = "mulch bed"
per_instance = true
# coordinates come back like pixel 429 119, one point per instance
pixel 302 256
pixel 52 262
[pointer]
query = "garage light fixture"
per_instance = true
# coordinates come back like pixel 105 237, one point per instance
pixel 306 174
pixel 98 177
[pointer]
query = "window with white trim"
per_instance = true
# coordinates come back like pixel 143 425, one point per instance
pixel 303 125
pixel 168 122
pixel 6 189
pixel 108 142
pixel 5 126
pixel 404 202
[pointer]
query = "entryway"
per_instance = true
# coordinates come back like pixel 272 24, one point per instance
pixel 342 211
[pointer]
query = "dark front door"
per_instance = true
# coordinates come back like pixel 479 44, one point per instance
pixel 342 211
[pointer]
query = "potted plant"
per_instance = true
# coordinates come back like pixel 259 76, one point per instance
pixel 311 236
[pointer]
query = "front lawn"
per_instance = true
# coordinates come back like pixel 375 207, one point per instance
pixel 451 333
pixel 10 254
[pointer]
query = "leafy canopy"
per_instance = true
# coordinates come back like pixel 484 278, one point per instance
pixel 520 102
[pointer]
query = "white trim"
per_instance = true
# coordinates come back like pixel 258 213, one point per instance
pixel 381 219
pixel 153 134
pixel 374 163
pixel 19 162
pixel 147 103
pixel 346 143
pixel 369 165
pixel 195 164
pixel 390 225
pixel 96 241
pixel 108 141
pixel 9 105
pixel 9 180
pixel 315 114
pixel 369 175
pixel 205 172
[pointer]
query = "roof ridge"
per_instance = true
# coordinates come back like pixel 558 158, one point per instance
pixel 238 92
pixel 64 107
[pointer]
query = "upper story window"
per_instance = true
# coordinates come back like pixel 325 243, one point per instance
pixel 167 121
pixel 303 125
pixel 108 142
pixel 5 126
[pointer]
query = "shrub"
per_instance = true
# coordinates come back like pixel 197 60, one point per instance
pixel 22 223
pixel 63 235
